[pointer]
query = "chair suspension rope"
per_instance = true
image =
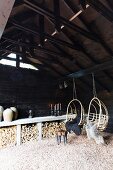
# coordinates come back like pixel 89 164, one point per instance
pixel 94 87
pixel 74 89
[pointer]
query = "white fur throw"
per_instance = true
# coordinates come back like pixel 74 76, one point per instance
pixel 93 133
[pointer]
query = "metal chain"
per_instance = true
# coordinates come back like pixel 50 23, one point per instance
pixel 94 87
pixel 74 90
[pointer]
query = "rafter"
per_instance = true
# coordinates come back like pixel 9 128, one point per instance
pixel 10 51
pixel 34 46
pixel 69 70
pixel 57 14
pixel 5 52
pixel 60 63
pixel 5 45
pixel 63 52
pixel 54 59
pixel 49 66
pixel 83 3
pixel 102 9
pixel 50 38
pixel 84 51
pixel 95 69
pixel 88 26
pixel 75 9
pixel 110 3
pixel 41 29
pixel 41 10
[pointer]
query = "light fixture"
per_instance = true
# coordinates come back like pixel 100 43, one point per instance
pixel 60 86
pixel 65 84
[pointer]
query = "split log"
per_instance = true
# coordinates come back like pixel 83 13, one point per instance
pixel 49 129
pixel 7 136
pixel 29 133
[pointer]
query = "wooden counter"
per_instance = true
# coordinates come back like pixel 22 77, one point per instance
pixel 38 123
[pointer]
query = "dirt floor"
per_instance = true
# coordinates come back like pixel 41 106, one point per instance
pixel 78 154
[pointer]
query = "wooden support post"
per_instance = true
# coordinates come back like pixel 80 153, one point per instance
pixel 57 14
pixel 18 135
pixel 17 61
pixel 5 10
pixel 41 29
pixel 39 126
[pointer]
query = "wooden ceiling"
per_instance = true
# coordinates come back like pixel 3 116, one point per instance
pixel 67 38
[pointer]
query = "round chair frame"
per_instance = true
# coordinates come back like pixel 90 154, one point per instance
pixel 98 116
pixel 75 110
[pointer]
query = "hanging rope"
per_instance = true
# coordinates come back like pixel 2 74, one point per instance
pixel 74 90
pixel 94 87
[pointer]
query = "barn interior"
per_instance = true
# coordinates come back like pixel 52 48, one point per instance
pixel 62 40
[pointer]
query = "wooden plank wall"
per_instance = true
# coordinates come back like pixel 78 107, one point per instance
pixel 26 89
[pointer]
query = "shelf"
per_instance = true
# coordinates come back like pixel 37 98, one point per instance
pixel 32 120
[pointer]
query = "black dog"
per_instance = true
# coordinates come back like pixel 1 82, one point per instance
pixel 73 126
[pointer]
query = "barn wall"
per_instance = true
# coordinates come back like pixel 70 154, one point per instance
pixel 25 89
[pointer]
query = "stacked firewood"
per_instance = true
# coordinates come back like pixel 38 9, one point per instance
pixel 49 129
pixel 29 133
pixel 7 136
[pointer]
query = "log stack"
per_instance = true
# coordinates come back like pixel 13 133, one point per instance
pixel 8 136
pixel 29 133
pixel 49 129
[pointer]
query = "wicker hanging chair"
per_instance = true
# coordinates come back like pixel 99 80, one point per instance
pixel 97 111
pixel 73 112
pixel 75 108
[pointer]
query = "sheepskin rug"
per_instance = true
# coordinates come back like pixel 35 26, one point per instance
pixel 78 154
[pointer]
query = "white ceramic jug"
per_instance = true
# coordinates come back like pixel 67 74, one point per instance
pixel 8 115
pixel 1 112
pixel 15 114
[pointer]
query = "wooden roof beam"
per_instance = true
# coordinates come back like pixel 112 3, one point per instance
pixel 41 29
pixel 102 42
pixel 95 61
pixel 63 52
pixel 94 69
pixel 110 3
pixel 69 70
pixel 47 13
pixel 34 46
pixel 58 62
pixel 49 66
pixel 57 14
pixel 75 9
pixel 101 8
pixel 26 45
pixel 4 51
pixel 10 51
pixel 83 50
pixel 50 38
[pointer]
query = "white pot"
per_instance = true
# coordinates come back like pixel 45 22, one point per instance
pixel 1 112
pixel 8 115
pixel 15 114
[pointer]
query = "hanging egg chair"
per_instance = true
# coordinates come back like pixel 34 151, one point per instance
pixel 97 111
pixel 75 108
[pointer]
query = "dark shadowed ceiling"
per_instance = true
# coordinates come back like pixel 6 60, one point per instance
pixel 66 38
